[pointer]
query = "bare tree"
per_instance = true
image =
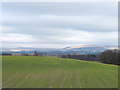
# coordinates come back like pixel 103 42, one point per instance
pixel 36 53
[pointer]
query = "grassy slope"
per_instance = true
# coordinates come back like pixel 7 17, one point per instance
pixel 51 72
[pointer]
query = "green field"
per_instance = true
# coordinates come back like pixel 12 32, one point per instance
pixel 52 72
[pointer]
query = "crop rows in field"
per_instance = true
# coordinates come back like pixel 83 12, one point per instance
pixel 61 79
pixel 49 72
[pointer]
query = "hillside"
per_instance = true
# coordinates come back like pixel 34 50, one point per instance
pixel 54 51
pixel 52 72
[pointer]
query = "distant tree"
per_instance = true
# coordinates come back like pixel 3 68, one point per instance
pixel 24 54
pixel 6 54
pixel 36 53
pixel 110 57
pixel 90 57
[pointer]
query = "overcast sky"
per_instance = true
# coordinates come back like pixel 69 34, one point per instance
pixel 57 25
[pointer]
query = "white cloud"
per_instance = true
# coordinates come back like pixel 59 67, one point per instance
pixel 6 29
pixel 74 38
pixel 95 23
pixel 53 27
pixel 15 38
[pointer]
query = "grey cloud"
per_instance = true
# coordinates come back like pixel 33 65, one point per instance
pixel 59 24
pixel 65 8
pixel 88 23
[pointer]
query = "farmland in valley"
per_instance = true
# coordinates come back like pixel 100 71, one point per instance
pixel 53 72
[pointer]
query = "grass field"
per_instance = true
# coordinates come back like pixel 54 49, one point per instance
pixel 52 72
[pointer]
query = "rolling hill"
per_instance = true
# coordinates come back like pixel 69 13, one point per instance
pixel 53 72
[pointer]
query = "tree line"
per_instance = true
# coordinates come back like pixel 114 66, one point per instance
pixel 108 56
pixel 35 53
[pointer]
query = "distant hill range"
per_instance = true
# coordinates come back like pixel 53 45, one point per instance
pixel 67 50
